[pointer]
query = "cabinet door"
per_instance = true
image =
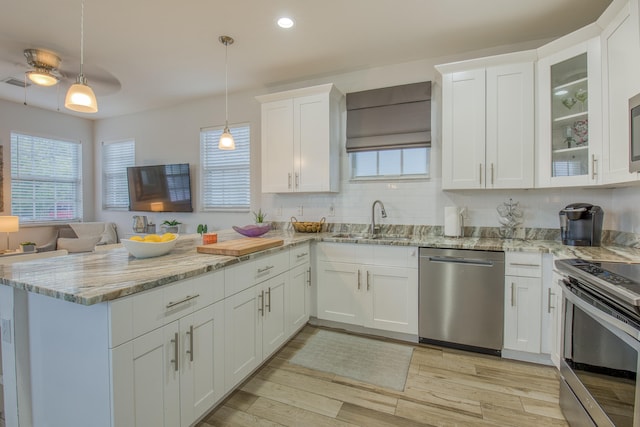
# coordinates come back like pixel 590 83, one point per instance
pixel 509 126
pixel 146 380
pixel 298 304
pixel 392 299
pixel 274 325
pixel 202 361
pixel 277 146
pixel 522 313
pixel 340 288
pixel 243 335
pixel 621 67
pixel 555 297
pixel 570 116
pixel 311 144
pixel 463 130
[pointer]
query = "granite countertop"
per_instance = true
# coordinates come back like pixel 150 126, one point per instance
pixel 104 275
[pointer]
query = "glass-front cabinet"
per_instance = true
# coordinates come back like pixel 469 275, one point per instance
pixel 570 119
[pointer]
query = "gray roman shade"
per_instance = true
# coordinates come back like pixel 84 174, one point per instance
pixel 389 118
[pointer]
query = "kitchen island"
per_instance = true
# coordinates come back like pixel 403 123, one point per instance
pixel 74 327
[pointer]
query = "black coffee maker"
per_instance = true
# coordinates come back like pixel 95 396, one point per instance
pixel 581 224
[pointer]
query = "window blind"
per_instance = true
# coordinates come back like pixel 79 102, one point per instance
pixel 46 179
pixel 389 118
pixel 226 175
pixel 116 158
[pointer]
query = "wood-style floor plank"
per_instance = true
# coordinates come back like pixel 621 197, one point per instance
pixel 444 387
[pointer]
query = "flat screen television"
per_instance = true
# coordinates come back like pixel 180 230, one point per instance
pixel 160 188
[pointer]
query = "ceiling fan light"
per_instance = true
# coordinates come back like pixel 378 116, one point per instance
pixel 80 98
pixel 42 78
pixel 226 140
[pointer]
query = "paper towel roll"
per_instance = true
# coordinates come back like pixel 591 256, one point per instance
pixel 452 221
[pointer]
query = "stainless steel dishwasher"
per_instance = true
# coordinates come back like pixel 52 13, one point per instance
pixel 461 299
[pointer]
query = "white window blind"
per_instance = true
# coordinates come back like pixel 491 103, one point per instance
pixel 46 179
pixel 226 175
pixel 116 157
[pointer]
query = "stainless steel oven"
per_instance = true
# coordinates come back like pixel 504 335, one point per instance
pixel 601 333
pixel 634 134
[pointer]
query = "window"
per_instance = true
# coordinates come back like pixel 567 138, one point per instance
pixel 226 174
pixel 46 183
pixel 402 163
pixel 116 158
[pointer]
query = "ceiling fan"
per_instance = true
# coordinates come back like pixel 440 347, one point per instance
pixel 45 67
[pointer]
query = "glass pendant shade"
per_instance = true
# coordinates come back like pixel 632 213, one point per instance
pixel 42 78
pixel 226 140
pixel 81 98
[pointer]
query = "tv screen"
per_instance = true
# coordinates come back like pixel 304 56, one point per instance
pixel 160 188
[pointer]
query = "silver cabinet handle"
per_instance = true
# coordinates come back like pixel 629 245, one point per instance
pixel 368 284
pixel 261 308
pixel 309 276
pixel 267 268
pixel 190 351
pixel 358 279
pixel 549 293
pixel 297 180
pixel 302 255
pixel 269 299
pixel 289 184
pixel 522 264
pixel 185 299
pixel 176 354
pixel 480 173
pixel 593 166
pixel 491 173
pixel 513 294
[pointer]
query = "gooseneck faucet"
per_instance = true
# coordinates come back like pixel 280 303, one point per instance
pixel 383 213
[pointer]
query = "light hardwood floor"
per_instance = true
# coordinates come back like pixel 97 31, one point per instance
pixel 444 388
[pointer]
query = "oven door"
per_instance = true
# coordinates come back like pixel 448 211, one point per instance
pixel 599 362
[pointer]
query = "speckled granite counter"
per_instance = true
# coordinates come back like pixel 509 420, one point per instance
pixel 105 275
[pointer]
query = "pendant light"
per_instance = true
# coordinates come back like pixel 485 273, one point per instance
pixel 226 139
pixel 80 96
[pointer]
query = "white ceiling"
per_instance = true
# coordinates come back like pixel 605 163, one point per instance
pixel 144 54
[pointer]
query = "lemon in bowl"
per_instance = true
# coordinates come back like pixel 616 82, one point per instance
pixel 150 245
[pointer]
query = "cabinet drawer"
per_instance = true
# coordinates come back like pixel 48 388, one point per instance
pixel 299 255
pixel 523 264
pixel 270 266
pixel 246 274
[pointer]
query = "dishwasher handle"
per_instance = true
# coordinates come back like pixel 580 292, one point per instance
pixel 466 261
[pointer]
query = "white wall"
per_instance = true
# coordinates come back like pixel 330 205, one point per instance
pixel 32 120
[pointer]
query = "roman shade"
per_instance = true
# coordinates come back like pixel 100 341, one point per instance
pixel 389 118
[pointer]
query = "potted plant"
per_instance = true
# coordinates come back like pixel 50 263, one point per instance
pixel 202 228
pixel 259 216
pixel 27 247
pixel 171 226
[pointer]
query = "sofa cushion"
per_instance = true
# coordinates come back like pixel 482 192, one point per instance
pixel 80 244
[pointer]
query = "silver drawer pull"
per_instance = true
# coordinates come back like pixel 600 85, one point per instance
pixel 176 353
pixel 185 299
pixel 513 294
pixel 549 306
pixel 190 351
pixel 267 268
pixel 523 264
pixel 302 255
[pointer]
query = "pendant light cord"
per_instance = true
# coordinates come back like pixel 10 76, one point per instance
pixel 226 84
pixel 82 40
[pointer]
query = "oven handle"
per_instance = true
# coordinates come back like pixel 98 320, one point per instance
pixel 631 335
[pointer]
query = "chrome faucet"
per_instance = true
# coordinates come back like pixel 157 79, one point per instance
pixel 374 229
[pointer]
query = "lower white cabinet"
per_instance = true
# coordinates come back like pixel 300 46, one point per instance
pixel 522 313
pixel 555 323
pixel 171 375
pixel 372 293
pixel 299 302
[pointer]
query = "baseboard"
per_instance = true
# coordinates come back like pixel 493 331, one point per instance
pixel 540 359
pixel 363 331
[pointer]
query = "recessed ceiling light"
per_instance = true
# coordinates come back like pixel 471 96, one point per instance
pixel 285 22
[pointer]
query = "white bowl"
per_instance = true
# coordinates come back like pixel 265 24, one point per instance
pixel 148 249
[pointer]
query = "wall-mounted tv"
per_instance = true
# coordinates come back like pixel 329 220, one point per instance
pixel 160 188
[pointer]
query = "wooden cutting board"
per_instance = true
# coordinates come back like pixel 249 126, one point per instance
pixel 238 247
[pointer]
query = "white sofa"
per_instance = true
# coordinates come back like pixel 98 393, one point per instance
pixel 82 237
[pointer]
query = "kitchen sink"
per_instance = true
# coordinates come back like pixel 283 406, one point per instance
pixel 392 238
pixel 350 236
pixel 370 237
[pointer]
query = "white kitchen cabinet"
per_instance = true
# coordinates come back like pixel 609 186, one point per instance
pixel 569 111
pixel 178 368
pixel 273 316
pixel 301 140
pixel 523 302
pixel 620 69
pixel 299 304
pixel 554 296
pixel 487 123
pixel 377 289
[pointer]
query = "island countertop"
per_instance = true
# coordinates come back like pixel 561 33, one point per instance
pixel 104 275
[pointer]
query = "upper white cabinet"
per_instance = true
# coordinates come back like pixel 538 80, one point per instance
pixel 487 122
pixel 570 116
pixel 620 71
pixel 301 140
